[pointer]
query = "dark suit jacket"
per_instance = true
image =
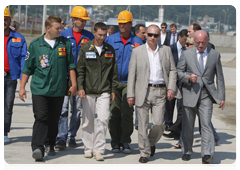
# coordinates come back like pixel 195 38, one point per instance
pixel 168 38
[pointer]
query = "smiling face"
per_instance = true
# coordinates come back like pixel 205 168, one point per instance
pixel 54 30
pixel 99 36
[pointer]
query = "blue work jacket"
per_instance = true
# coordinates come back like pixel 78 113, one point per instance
pixel 17 50
pixel 85 38
pixel 123 52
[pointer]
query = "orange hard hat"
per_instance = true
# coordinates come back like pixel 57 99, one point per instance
pixel 79 12
pixel 7 12
pixel 124 17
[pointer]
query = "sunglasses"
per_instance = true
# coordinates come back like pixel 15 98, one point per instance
pixel 164 27
pixel 187 44
pixel 150 35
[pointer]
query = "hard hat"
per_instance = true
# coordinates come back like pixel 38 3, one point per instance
pixel 7 12
pixel 80 12
pixel 124 17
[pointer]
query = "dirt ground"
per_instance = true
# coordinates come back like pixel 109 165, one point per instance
pixel 228 115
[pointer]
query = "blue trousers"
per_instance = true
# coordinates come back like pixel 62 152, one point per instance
pixel 9 96
pixel 66 131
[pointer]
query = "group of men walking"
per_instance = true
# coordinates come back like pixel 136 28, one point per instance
pixel 111 74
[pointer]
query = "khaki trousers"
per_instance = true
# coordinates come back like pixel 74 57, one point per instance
pixel 95 142
pixel 155 99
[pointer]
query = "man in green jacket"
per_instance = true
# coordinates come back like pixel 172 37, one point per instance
pixel 46 61
pixel 97 81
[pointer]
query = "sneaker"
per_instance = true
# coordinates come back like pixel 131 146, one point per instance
pixel 72 143
pixel 116 149
pixel 60 144
pixel 88 155
pixel 6 139
pixel 126 148
pixel 37 155
pixel 98 156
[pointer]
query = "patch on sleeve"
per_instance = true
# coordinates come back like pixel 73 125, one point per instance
pixel 27 56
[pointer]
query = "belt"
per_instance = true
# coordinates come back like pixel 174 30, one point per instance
pixel 6 73
pixel 157 85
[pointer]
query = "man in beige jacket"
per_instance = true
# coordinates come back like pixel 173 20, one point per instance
pixel 152 78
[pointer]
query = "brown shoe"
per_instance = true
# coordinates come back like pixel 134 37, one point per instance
pixel 143 160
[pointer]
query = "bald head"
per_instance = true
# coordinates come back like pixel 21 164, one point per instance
pixel 201 40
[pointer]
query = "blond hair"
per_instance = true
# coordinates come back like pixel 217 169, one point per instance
pixel 51 19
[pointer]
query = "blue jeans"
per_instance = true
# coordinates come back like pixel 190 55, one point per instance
pixel 69 132
pixel 9 96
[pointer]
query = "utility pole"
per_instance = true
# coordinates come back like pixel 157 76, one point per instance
pixel 44 18
pixel 26 17
pixel 19 14
pixel 190 15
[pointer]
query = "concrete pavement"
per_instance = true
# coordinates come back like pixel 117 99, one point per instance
pixel 19 150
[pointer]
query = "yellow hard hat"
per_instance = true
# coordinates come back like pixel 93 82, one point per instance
pixel 7 12
pixel 79 12
pixel 124 17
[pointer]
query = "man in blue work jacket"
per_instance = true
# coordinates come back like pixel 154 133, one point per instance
pixel 15 50
pixel 121 118
pixel 78 37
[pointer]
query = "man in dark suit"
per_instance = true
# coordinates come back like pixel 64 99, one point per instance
pixel 197 68
pixel 176 49
pixel 172 37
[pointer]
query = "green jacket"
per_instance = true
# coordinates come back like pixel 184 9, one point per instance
pixel 48 66
pixel 97 74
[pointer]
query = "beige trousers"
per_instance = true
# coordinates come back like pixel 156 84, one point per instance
pixel 95 142
pixel 155 99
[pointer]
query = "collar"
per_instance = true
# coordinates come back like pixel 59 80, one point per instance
pixel 150 49
pixel 179 46
pixel 204 52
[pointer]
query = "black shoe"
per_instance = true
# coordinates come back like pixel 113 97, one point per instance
pixel 143 159
pixel 206 159
pixel 60 144
pixel 72 143
pixel 167 128
pixel 50 150
pixel 171 135
pixel 116 149
pixel 186 157
pixel 136 127
pixel 126 148
pixel 37 155
pixel 153 148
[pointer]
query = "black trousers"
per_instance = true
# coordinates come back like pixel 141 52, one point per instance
pixel 47 111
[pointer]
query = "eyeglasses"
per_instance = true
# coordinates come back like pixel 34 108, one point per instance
pixel 150 35
pixel 164 27
pixel 187 44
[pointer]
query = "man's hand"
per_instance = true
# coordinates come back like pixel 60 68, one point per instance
pixel 193 78
pixel 131 101
pixel 170 94
pixel 73 90
pixel 81 93
pixel 222 104
pixel 22 92
pixel 112 97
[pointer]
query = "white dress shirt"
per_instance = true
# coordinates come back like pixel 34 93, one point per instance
pixel 204 54
pixel 175 40
pixel 179 49
pixel 156 76
pixel 163 37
